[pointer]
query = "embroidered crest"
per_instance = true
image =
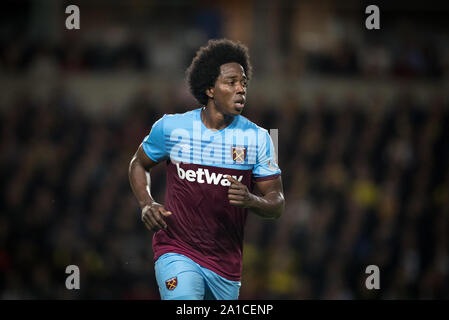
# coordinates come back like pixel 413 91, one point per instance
pixel 171 283
pixel 238 154
pixel 273 165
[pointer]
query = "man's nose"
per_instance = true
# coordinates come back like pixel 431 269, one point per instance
pixel 240 88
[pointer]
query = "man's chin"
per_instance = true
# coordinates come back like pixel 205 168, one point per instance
pixel 234 111
pixel 238 110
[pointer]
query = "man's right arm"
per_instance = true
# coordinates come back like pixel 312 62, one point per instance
pixel 153 213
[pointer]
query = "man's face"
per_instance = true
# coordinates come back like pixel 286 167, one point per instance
pixel 229 92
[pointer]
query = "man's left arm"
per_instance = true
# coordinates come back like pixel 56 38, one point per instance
pixel 269 201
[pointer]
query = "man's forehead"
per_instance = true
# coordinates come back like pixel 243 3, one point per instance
pixel 232 69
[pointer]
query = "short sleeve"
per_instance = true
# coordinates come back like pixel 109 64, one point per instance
pixel 154 143
pixel 266 166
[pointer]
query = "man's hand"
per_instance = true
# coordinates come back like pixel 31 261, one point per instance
pixel 238 194
pixel 152 216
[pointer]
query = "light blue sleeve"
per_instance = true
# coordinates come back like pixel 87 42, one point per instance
pixel 154 144
pixel 266 164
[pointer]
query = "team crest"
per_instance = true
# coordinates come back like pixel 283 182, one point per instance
pixel 238 154
pixel 171 283
pixel 273 165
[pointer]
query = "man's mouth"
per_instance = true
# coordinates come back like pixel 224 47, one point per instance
pixel 239 103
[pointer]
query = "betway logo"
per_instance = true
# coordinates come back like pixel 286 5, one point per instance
pixel 204 176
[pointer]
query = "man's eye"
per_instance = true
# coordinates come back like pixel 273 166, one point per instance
pixel 232 83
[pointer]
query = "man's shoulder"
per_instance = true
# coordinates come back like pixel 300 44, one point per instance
pixel 178 120
pixel 244 124
pixel 182 116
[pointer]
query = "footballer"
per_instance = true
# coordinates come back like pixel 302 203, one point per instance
pixel 219 166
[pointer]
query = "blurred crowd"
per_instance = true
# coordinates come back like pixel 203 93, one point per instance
pixel 366 179
pixel 159 38
pixel 113 50
pixel 171 51
pixel 364 184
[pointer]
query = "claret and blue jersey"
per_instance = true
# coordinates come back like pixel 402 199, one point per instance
pixel 204 226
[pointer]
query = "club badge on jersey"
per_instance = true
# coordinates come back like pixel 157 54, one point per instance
pixel 171 283
pixel 238 154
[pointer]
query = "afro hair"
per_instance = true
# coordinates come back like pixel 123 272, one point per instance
pixel 205 67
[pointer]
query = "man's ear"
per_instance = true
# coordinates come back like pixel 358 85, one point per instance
pixel 210 92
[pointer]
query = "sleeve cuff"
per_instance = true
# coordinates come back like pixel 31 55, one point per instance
pixel 272 177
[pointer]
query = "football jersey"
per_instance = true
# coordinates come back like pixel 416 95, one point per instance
pixel 203 225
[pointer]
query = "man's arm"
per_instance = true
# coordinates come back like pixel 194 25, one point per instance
pixel 152 212
pixel 269 204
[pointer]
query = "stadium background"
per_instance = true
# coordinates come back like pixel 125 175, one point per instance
pixel 363 143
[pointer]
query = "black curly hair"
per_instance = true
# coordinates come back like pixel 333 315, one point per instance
pixel 205 67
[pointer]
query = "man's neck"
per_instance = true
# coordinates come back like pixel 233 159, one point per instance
pixel 214 119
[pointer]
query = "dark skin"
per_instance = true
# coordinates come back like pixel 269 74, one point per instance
pixel 226 100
